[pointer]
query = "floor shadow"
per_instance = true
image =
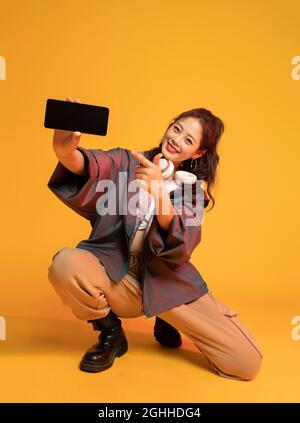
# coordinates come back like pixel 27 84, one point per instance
pixel 27 336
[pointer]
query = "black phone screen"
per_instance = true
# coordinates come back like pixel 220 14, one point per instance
pixel 72 116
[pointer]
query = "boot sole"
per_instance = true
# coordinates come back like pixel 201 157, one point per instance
pixel 94 368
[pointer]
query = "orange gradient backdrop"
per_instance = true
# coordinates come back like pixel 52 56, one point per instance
pixel 148 62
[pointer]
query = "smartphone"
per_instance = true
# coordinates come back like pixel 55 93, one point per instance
pixel 72 116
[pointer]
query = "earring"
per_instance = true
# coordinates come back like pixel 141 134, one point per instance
pixel 193 165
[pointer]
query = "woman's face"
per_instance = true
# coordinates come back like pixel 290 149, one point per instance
pixel 185 136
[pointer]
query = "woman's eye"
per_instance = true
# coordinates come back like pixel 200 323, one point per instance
pixel 190 141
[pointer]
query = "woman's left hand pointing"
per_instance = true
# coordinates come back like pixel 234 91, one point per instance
pixel 148 172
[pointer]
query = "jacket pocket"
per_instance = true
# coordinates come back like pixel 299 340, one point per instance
pixel 232 314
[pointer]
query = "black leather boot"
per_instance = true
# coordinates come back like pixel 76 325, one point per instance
pixel 166 334
pixel 112 343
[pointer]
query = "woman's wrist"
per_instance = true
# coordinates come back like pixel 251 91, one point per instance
pixel 163 207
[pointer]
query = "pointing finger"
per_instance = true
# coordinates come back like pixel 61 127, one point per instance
pixel 141 158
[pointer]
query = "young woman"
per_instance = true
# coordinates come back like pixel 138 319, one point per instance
pixel 136 264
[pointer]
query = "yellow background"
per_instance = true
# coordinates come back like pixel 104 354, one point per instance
pixel 148 61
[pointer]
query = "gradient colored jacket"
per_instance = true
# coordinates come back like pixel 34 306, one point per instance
pixel 167 276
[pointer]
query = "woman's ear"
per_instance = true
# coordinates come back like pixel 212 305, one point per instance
pixel 199 154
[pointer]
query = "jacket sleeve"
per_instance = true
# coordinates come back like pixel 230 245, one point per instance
pixel 79 191
pixel 176 244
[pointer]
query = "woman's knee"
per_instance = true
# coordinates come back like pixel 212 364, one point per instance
pixel 243 365
pixel 78 271
pixel 247 355
pixel 249 366
pixel 60 265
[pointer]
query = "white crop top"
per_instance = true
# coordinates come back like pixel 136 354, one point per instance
pixel 147 205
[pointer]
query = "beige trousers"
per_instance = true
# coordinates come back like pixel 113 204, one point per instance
pixel 82 283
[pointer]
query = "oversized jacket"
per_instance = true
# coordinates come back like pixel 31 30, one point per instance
pixel 167 276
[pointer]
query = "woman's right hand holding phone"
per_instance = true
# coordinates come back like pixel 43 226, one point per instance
pixel 66 142
pixel 65 145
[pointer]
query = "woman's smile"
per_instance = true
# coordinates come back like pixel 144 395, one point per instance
pixel 170 148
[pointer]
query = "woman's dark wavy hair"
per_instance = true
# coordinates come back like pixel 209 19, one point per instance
pixel 204 167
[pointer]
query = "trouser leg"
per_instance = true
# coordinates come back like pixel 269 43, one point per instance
pixel 217 332
pixel 82 283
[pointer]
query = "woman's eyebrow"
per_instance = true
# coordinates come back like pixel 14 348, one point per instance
pixel 177 123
